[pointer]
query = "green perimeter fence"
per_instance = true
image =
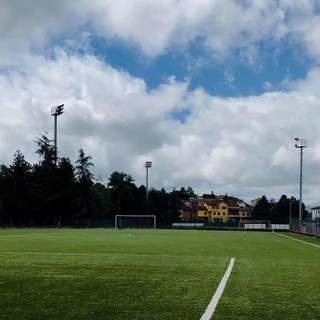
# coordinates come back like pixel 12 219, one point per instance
pixel 306 227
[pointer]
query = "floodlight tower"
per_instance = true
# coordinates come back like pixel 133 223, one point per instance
pixel 300 144
pixel 55 112
pixel 148 165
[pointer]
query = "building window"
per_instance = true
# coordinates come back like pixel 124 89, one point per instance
pixel 224 213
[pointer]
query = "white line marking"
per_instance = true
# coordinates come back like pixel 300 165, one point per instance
pixel 216 297
pixel 310 244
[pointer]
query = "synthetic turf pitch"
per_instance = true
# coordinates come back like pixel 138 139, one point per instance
pixel 156 274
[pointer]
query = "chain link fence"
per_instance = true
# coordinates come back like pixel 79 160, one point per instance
pixel 306 227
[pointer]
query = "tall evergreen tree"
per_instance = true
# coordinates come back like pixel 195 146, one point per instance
pixel 262 211
pixel 65 190
pixel 44 184
pixel 160 206
pixel 123 192
pixel 101 201
pixel 175 203
pixel 282 210
pixel 83 165
pixel 20 172
pixel 84 182
pixel 5 194
pixel 45 150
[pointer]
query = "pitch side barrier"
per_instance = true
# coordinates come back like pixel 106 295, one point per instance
pixel 187 225
pixel 262 225
pixel 135 221
pixel 311 228
pixel 254 225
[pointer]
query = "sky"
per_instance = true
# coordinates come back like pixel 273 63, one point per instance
pixel 213 92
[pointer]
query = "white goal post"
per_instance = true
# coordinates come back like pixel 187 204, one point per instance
pixel 117 219
pixel 255 224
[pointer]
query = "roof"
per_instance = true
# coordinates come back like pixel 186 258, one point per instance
pixel 232 204
pixel 186 208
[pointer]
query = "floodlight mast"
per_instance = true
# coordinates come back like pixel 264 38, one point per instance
pixel 148 165
pixel 55 112
pixel 300 144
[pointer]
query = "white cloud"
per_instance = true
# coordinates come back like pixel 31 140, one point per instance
pixel 158 26
pixel 267 85
pixel 225 145
pixel 229 77
pixel 238 145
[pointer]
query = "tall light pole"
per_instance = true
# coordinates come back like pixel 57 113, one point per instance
pixel 148 165
pixel 300 144
pixel 290 210
pixel 55 112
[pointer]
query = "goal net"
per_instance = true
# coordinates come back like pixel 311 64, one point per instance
pixel 135 221
pixel 254 224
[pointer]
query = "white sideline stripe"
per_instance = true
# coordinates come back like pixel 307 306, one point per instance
pixel 310 244
pixel 216 297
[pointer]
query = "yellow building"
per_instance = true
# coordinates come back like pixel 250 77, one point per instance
pixel 220 212
pixel 204 212
pixel 219 209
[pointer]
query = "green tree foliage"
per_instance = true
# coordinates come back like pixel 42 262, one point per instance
pixel 46 151
pixel 176 199
pixel 84 181
pixel 66 192
pixel 5 193
pixel 55 193
pixel 123 193
pixel 20 175
pixel 101 201
pixel 282 210
pixel 262 210
pixel 45 184
pixel 159 204
pixel 209 195
pixel 278 211
pixel 83 165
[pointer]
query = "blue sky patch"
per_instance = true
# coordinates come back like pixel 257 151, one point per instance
pixel 232 77
pixel 181 115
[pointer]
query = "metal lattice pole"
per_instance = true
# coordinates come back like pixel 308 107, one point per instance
pixel 148 165
pixel 301 144
pixel 55 112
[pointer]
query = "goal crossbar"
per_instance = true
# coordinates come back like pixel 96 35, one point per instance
pixel 255 224
pixel 134 216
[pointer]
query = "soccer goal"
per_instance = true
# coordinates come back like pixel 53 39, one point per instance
pixel 135 221
pixel 255 224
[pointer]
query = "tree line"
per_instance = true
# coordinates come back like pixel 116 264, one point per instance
pixel 280 211
pixel 55 192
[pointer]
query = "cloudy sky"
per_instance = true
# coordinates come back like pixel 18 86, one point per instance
pixel 213 92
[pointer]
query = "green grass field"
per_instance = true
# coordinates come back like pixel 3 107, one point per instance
pixel 156 274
